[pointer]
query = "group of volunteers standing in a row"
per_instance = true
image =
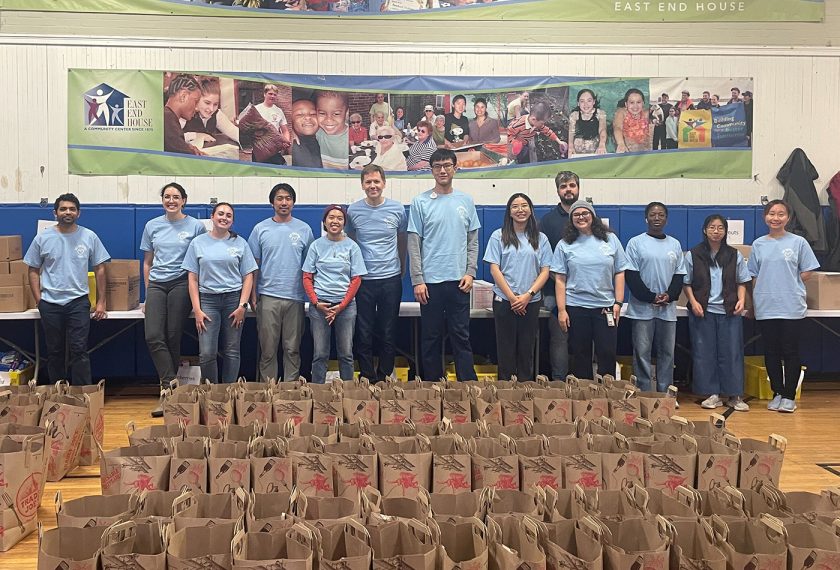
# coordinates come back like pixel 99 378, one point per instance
pixel 352 279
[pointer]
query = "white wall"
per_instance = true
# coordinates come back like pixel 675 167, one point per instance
pixel 796 91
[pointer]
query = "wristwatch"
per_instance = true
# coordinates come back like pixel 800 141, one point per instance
pixel 245 305
pixel 619 303
pixel 531 292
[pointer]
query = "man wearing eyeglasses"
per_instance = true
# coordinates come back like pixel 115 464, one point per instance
pixel 443 246
pixel 553 224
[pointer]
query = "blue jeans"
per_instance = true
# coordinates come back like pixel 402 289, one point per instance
pixel 218 306
pixel 321 333
pixel 659 335
pixel 448 309
pixel 717 354
pixel 66 329
pixel 378 305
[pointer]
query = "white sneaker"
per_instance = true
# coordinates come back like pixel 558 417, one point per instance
pixel 774 404
pixel 788 406
pixel 738 404
pixel 711 402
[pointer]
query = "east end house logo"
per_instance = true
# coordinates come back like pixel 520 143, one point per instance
pixel 695 131
pixel 108 108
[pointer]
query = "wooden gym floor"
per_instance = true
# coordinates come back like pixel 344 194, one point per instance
pixel 811 434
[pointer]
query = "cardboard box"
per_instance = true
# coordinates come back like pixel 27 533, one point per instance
pixel 746 250
pixel 18 267
pixel 123 289
pixel 12 294
pixel 10 248
pixel 822 290
pixel 4 268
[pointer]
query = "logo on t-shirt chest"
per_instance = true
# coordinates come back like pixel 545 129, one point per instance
pixel 81 250
pixel 294 238
pixel 234 251
pixel 183 236
pixel 606 249
pixel 789 255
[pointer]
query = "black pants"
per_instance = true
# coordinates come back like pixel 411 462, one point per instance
pixel 516 337
pixel 781 354
pixel 66 329
pixel 659 137
pixel 167 308
pixel 448 307
pixel 671 143
pixel 588 326
pixel 377 313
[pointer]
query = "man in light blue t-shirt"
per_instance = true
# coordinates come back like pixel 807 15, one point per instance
pixel 279 245
pixel 443 247
pixel 378 225
pixel 59 259
pixel 655 279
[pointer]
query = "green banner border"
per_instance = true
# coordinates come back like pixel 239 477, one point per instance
pixel 693 164
pixel 541 10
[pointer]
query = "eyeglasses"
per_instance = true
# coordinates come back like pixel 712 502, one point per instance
pixel 715 229
pixel 567 184
pixel 581 215
pixel 440 167
pixel 355 122
pixel 380 137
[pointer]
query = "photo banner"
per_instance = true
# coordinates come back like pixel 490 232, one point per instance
pixel 527 10
pixel 124 122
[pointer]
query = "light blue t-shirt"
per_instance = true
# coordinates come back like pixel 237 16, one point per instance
pixel 64 260
pixel 443 223
pixel 220 263
pixel 742 275
pixel 776 264
pixel 376 229
pixel 520 266
pixel 281 249
pixel 589 265
pixel 169 242
pixel 657 261
pixel 334 264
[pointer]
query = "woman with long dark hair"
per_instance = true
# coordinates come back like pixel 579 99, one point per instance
pixel 715 284
pixel 519 257
pixel 164 244
pixel 221 273
pixel 589 264
pixel 780 263
pixel 587 125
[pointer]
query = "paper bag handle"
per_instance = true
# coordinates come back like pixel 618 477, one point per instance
pixel 775 529
pixel 777 441
pixel 118 532
pixel 184 501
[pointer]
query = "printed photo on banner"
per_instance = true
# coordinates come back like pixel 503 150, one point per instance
pixel 509 127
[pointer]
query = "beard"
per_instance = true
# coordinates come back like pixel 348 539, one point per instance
pixel 568 201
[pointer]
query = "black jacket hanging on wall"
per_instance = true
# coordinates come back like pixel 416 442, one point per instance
pixel 797 176
pixel 831 262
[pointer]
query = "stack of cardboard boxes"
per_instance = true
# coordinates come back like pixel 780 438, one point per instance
pixel 123 289
pixel 15 294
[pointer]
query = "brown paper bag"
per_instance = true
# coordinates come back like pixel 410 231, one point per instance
pixel 637 543
pixel 626 408
pixel 152 434
pixel 621 505
pixel 345 546
pixel 686 505
pixel 581 465
pixel 253 406
pixel 573 544
pixel 463 545
pixel 715 428
pixel 425 406
pixel 620 465
pixel 217 404
pixel 514 542
pixel 485 404
pixel 813 547
pixel 670 464
pixel 402 544
pixel 673 429
pixel 294 405
pixel 537 465
pixel 129 545
pixel 200 547
pixel 495 463
pixel 94 510
pixel 395 411
pixel 658 406
pixel 456 406
pixel 640 431
pixel 552 406
pixel 694 547
pixel 291 550
pixel 21 409
pixel 756 543
pixel 188 465
pixel 354 468
pixel 718 461
pixel 517 406
pixel 134 468
pixel 21 472
pixel 267 512
pixel 271 466
pixel 41 439
pixel 324 510
pixel 154 506
pixel 762 461
pixel 181 407
pixel 208 509
pixel 69 547
pixel 405 468
pixel 327 407
pixel 70 417
pixel 502 503
pixel 590 402
pixel 96 425
pixel 452 507
pixel 195 432
pixel 807 507
pixel 360 404
pixel 312 469
pixel 229 466
pixel 451 465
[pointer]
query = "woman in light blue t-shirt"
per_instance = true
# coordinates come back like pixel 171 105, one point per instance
pixel 221 273
pixel 164 244
pixel 332 273
pixel 519 257
pixel 779 264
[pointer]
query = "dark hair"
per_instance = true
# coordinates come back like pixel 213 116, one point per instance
pixel 481 100
pixel 182 81
pixel 655 204
pixel 370 169
pixel 599 230
pixel 772 203
pixel 726 255
pixel 425 124
pixel 442 154
pixel 541 111
pixel 68 197
pixel 531 232
pixel 329 209
pixel 232 234
pixel 455 99
pixel 595 97
pixel 282 186
pixel 177 187
pixel 565 176
pixel 631 91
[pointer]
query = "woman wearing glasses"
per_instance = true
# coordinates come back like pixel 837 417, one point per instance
pixel 357 133
pixel 389 149
pixel 589 265
pixel 715 284
pixel 519 257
